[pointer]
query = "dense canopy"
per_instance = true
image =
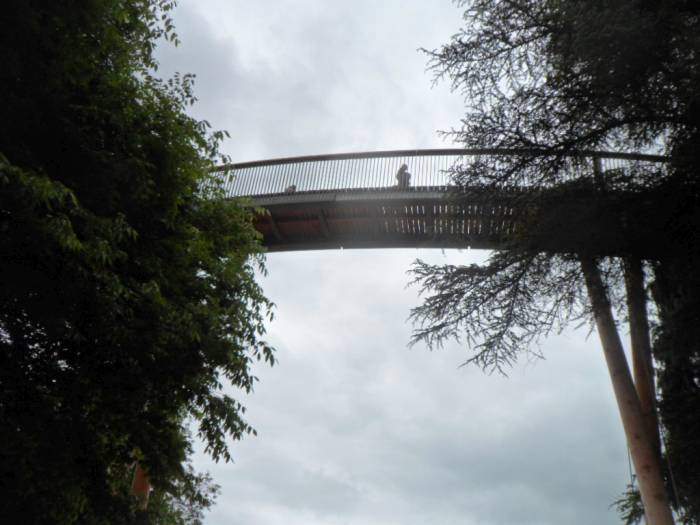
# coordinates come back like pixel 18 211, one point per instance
pixel 128 293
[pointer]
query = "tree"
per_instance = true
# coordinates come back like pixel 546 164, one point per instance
pixel 128 294
pixel 186 503
pixel 557 79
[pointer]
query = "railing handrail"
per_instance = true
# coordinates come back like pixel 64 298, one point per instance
pixel 440 152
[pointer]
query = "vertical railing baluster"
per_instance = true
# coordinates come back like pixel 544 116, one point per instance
pixel 322 168
pixel 242 182
pixel 416 171
pixel 240 187
pixel 327 174
pixel 349 175
pixel 428 170
pixel 353 174
pixel 298 174
pixel 338 175
pixel 313 175
pixel 365 182
pixel 288 177
pixel 363 173
pixel 421 167
pixel 259 180
pixel 360 175
pixel 281 181
pixel 431 170
pixel 350 184
pixel 342 168
pixel 375 172
pixel 237 182
pixel 255 177
pixel 341 176
pixel 309 175
pixel 383 169
pixel 245 182
pixel 293 174
pixel 426 167
pixel 389 173
pixel 330 182
pixel 269 181
pixel 446 182
pixel 265 179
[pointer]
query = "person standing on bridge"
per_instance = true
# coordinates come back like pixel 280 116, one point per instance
pixel 403 177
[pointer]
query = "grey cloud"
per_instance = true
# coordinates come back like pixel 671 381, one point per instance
pixel 355 425
pixel 303 78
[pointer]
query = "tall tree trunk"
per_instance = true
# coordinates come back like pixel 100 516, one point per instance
pixel 645 460
pixel 642 362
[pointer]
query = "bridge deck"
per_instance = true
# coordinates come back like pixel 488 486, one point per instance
pixel 354 200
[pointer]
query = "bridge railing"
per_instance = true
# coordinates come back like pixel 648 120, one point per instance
pixel 377 171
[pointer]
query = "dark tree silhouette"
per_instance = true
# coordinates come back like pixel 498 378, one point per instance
pixel 127 292
pixel 558 79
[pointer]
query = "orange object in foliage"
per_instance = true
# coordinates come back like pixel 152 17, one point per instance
pixel 141 486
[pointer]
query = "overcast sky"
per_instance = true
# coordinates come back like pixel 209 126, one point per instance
pixel 354 427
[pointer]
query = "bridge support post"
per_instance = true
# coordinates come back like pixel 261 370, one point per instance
pixel 646 462
pixel 642 362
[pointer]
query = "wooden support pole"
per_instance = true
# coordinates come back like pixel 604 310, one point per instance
pixel 646 462
pixel 642 362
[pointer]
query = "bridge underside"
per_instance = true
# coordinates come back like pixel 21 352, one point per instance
pixel 378 219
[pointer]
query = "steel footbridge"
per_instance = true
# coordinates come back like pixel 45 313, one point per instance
pixel 385 199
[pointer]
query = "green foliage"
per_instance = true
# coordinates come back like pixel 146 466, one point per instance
pixel 562 76
pixel 500 309
pixel 185 503
pixel 629 506
pixel 676 292
pixel 128 293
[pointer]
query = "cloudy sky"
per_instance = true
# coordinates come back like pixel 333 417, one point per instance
pixel 354 427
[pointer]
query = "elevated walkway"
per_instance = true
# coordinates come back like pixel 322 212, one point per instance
pixel 355 200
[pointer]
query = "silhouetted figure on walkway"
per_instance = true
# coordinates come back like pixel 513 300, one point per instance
pixel 404 177
pixel 291 189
